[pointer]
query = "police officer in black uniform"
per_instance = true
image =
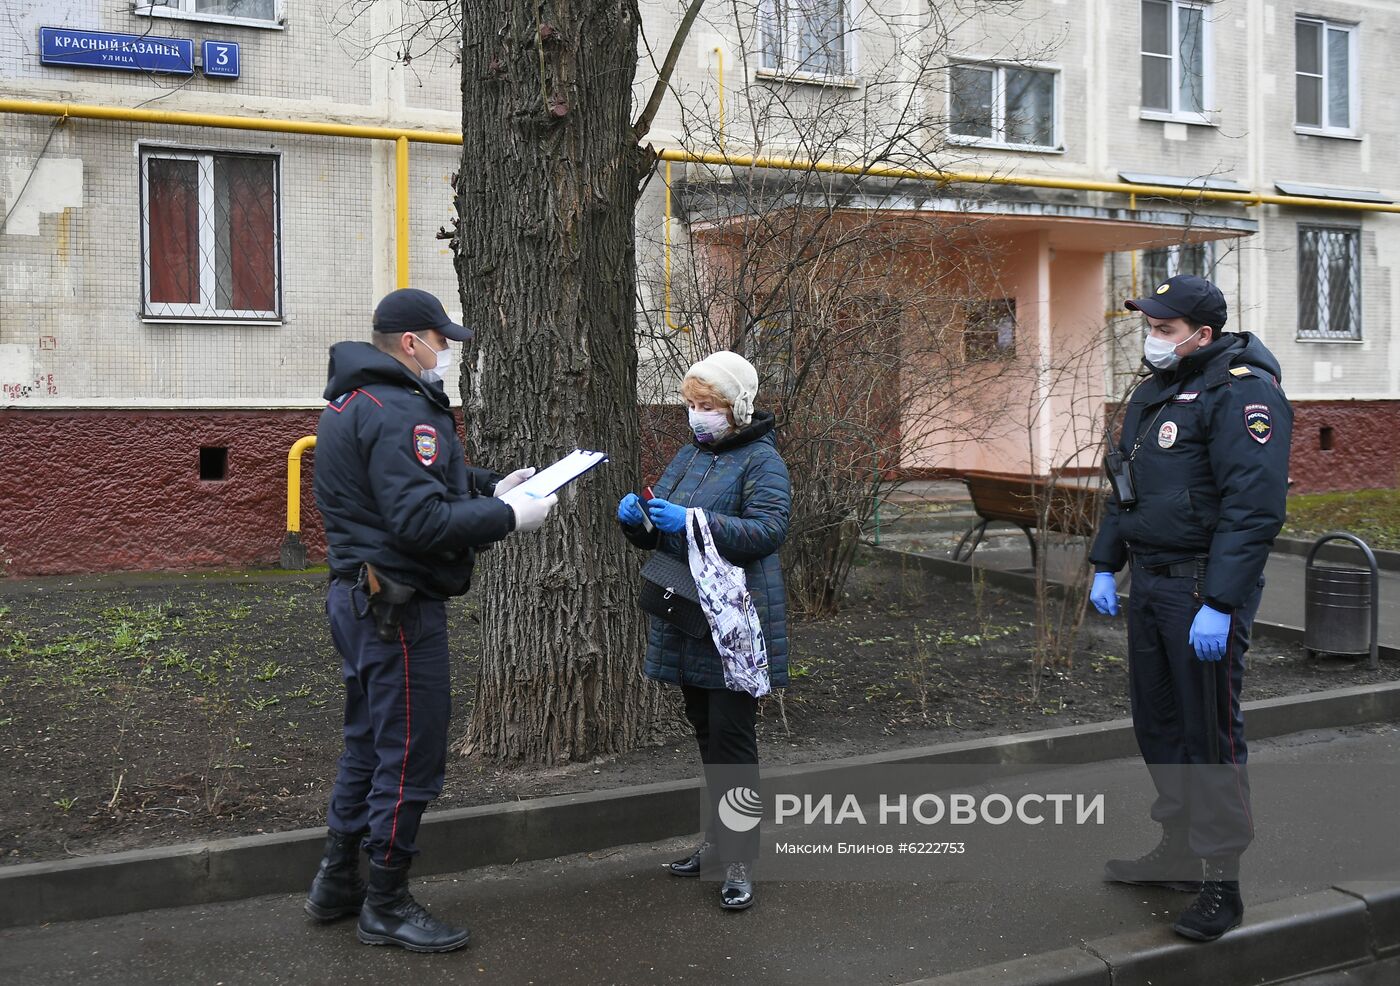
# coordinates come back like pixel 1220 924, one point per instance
pixel 1199 481
pixel 404 516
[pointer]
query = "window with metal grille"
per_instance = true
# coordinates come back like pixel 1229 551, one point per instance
pixel 265 12
pixel 1184 258
pixel 810 37
pixel 1329 283
pixel 210 235
pixel 1325 75
pixel 1175 57
pixel 1002 104
pixel 989 329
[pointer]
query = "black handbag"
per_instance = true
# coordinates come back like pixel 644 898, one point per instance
pixel 669 593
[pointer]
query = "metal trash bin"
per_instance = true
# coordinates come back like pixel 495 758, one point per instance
pixel 1341 605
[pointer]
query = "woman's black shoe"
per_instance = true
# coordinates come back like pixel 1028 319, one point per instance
pixel 692 864
pixel 737 892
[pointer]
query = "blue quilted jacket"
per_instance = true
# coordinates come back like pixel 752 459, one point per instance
pixel 742 484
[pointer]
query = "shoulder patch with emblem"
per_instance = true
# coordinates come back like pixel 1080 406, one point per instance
pixel 1258 422
pixel 1241 371
pixel 425 444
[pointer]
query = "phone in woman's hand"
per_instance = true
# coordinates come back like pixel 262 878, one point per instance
pixel 647 497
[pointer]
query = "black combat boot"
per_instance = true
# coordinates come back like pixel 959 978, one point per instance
pixel 1218 907
pixel 692 864
pixel 392 917
pixel 1170 864
pixel 737 892
pixel 337 891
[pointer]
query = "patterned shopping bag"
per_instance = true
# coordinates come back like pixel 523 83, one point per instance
pixel 729 609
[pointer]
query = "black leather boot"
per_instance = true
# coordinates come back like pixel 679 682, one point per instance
pixel 337 891
pixel 692 864
pixel 737 892
pixel 1217 908
pixel 1170 864
pixel 392 917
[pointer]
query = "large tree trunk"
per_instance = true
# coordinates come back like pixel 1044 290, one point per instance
pixel 545 260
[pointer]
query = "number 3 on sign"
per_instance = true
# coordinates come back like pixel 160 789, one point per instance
pixel 221 59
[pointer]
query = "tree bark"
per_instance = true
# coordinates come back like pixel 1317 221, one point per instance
pixel 546 265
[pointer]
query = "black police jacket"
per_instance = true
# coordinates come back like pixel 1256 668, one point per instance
pixel 1211 468
pixel 391 481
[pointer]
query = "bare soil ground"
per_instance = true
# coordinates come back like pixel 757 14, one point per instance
pixel 150 710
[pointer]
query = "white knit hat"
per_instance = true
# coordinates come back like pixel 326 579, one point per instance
pixel 733 378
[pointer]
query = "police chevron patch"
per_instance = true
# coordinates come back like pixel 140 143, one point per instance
pixel 425 444
pixel 1258 422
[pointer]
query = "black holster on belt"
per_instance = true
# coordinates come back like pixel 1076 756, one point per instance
pixel 386 599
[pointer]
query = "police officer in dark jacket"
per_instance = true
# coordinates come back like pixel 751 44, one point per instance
pixel 1200 478
pixel 404 517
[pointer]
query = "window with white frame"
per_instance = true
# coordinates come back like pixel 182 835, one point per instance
pixel 1175 57
pixel 811 37
pixel 1325 75
pixel 211 243
pixel 1329 283
pixel 1179 258
pixel 1002 104
pixel 255 12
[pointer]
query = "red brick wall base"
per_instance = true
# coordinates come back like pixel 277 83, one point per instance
pixel 120 490
pixel 1364 439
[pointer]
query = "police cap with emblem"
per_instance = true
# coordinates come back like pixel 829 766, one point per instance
pixel 413 310
pixel 1185 296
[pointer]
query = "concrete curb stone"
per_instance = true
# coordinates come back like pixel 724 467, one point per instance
pixel 541 828
pixel 1014 581
pixel 1283 939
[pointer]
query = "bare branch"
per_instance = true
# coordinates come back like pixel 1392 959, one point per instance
pixel 663 80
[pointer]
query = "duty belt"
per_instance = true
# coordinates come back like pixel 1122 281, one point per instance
pixel 1195 568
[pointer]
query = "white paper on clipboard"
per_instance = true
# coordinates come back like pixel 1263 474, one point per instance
pixel 563 472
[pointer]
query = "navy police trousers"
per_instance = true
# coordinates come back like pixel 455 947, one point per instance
pixel 397 703
pixel 1168 687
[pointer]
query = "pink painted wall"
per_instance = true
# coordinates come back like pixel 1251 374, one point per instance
pixel 1077 306
pixel 989 426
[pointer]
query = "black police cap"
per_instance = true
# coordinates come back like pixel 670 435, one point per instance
pixel 1185 296
pixel 414 310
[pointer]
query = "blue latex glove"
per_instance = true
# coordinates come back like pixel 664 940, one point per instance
pixel 667 516
pixel 1104 594
pixel 1210 634
pixel 629 511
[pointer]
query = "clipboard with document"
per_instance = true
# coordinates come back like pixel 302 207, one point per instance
pixel 554 478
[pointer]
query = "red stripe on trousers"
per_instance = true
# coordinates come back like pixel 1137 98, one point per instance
pixel 407 736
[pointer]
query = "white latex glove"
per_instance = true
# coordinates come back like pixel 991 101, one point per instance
pixel 511 481
pixel 530 512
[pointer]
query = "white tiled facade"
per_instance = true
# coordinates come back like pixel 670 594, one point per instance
pixel 71 331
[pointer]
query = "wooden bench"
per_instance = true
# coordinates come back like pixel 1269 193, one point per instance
pixel 1072 508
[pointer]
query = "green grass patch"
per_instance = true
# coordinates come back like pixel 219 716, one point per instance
pixel 1372 515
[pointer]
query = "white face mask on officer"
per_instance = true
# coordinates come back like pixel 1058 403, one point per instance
pixel 709 426
pixel 444 360
pixel 1162 353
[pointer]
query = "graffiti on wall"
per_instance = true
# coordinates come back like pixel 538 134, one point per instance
pixel 43 386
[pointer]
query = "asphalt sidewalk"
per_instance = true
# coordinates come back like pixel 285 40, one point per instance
pixel 941 513
pixel 614 917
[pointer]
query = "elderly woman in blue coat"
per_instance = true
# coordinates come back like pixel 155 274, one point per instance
pixel 732 471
